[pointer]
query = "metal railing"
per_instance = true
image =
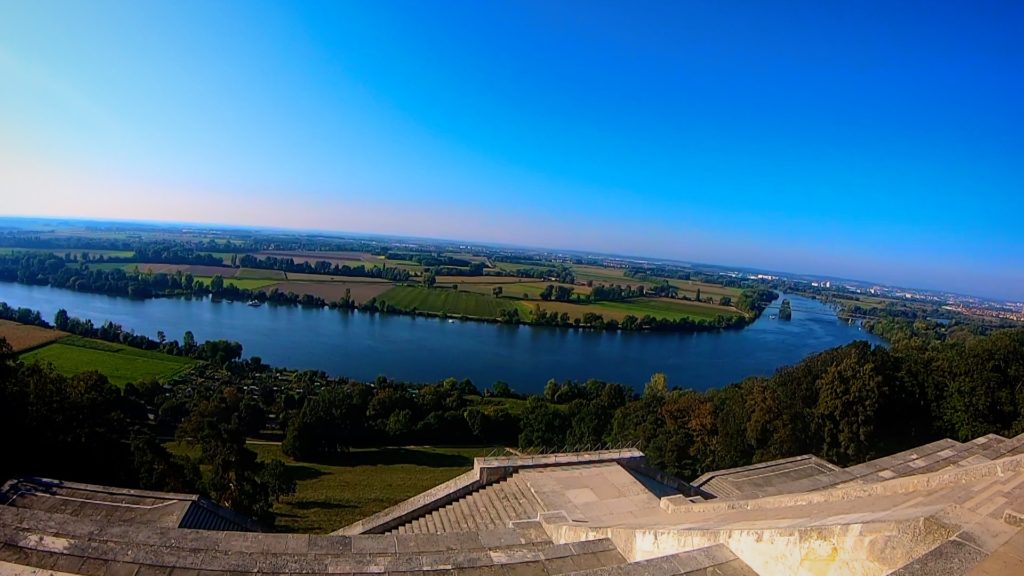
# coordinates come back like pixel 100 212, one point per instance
pixel 566 449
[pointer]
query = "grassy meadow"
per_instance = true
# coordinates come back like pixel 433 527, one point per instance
pixel 447 301
pixel 76 251
pixel 246 283
pixel 120 364
pixel 662 308
pixel 260 274
pixel 363 482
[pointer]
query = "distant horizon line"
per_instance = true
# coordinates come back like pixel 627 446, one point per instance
pixel 307 231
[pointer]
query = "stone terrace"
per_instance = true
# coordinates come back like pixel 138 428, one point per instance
pixel 122 506
pixel 943 508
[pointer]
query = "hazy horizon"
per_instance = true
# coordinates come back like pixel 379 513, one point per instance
pixel 341 234
pixel 880 141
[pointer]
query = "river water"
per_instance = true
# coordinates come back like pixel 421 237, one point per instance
pixel 363 346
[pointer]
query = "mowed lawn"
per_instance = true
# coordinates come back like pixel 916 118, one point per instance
pixel 360 483
pixel 120 364
pixel 447 301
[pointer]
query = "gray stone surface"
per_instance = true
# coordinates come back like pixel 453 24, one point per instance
pixel 764 478
pixel 945 508
pixel 485 471
pixel 952 558
pixel 122 505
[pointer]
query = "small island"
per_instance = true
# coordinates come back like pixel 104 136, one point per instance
pixel 785 311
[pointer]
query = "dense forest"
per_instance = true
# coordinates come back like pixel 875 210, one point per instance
pixel 847 404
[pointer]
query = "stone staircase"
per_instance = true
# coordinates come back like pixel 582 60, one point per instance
pixel 943 508
pixel 937 456
pixel 885 468
pixel 494 506
pixel 808 473
pixel 1005 449
pixel 951 519
pixel 33 539
pixel 766 478
pixel 717 560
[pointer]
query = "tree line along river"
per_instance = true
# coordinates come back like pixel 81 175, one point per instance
pixel 362 345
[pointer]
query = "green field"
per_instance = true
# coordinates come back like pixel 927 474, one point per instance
pixel 121 364
pixel 531 290
pixel 447 301
pixel 513 266
pixel 639 307
pixel 259 274
pixel 362 483
pixel 716 291
pixel 475 299
pixel 602 275
pixel 77 252
pixel 243 283
pixel 112 266
pixel 225 257
pixel 867 302
pixel 662 308
pixel 514 406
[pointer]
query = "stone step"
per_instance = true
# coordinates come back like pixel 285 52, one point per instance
pixel 717 559
pixel 959 454
pixel 495 505
pixel 883 468
pixel 60 526
pixel 720 488
pixel 529 502
pixel 951 558
pixel 460 520
pixel 942 485
pixel 1010 447
pixel 97 554
pixel 472 520
pixel 430 521
pixel 460 517
pixel 487 518
pixel 444 520
pixel 797 474
pixel 507 498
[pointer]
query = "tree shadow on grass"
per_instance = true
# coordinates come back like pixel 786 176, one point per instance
pixel 320 505
pixel 393 456
pixel 298 472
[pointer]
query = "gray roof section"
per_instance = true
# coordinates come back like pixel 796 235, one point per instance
pixel 123 505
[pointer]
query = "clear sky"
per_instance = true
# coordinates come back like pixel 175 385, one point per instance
pixel 882 141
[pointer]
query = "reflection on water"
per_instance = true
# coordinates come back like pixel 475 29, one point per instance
pixel 362 346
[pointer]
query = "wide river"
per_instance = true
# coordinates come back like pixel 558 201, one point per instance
pixel 362 346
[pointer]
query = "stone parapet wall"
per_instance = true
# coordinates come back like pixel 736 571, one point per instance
pixel 952 476
pixel 485 471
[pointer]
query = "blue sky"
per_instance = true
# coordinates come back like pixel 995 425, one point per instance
pixel 880 141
